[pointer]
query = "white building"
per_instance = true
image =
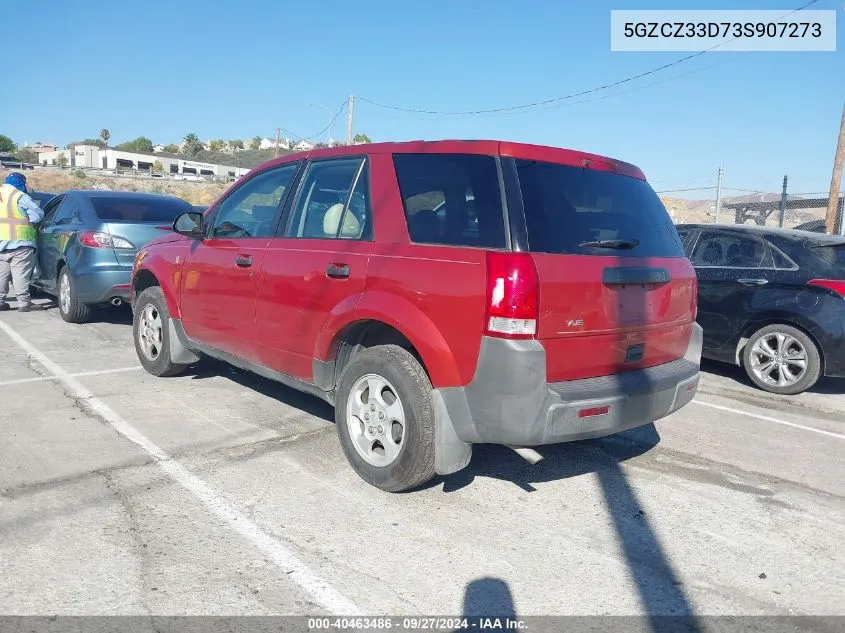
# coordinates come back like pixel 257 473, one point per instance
pixel 303 146
pixel 93 157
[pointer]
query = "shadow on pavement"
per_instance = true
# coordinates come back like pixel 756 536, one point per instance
pixel 825 386
pixel 210 368
pixel 488 598
pixel 560 461
pixel 117 315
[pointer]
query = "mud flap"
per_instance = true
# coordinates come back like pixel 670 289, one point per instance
pixel 451 454
pixel 179 352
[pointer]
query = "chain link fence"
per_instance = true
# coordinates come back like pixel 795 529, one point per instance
pixel 804 211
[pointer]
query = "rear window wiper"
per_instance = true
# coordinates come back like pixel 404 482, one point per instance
pixel 618 244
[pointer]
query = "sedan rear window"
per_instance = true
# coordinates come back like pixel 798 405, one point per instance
pixel 570 210
pixel 121 209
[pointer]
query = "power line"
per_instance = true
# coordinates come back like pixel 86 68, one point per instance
pixel 321 132
pixel 535 104
pixel 611 95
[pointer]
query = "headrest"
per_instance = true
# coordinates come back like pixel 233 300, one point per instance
pixel 351 225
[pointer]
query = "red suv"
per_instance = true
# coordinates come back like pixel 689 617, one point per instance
pixel 438 294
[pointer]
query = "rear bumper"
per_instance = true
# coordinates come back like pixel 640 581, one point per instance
pixel 509 401
pixel 99 284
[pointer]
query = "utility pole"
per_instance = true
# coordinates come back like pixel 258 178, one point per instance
pixel 719 192
pixel 836 184
pixel 783 202
pixel 278 139
pixel 349 110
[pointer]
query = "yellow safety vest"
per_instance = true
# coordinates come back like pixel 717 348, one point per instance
pixel 14 223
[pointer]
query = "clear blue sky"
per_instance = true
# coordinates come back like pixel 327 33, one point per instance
pixel 239 69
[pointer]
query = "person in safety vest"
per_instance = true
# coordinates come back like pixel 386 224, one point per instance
pixel 18 216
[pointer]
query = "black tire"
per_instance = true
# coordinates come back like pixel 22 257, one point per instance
pixel 77 312
pixel 414 464
pixel 161 365
pixel 813 360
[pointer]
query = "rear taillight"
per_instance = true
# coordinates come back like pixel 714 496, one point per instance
pixel 95 239
pixel 694 299
pixel 838 286
pixel 513 301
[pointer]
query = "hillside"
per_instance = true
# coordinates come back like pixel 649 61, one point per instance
pixel 702 211
pixel 57 180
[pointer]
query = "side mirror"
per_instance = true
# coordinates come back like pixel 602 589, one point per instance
pixel 190 224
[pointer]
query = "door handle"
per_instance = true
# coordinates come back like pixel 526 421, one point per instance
pixel 244 261
pixel 752 282
pixel 337 271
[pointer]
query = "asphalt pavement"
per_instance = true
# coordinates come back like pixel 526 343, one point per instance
pixel 221 493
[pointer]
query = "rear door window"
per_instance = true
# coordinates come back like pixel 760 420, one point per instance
pixel 452 199
pixel 50 209
pixel 569 208
pixel 717 249
pixel 67 213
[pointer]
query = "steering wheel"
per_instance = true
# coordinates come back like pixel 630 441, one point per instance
pixel 227 229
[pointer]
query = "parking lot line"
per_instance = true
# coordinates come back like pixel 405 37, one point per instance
pixel 767 419
pixel 323 593
pixel 101 372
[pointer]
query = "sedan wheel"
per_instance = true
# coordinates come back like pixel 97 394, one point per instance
pixel 782 359
pixel 64 293
pixel 779 359
pixel 71 308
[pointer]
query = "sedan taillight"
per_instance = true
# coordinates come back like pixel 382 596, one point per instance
pixel 96 239
pixel 838 286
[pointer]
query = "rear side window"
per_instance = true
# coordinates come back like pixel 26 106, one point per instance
pixel 121 209
pixel 568 207
pixel 725 250
pixel 452 199
pixel 781 260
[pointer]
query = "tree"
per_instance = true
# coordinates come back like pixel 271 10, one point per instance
pixel 88 141
pixel 361 138
pixel 217 145
pixel 61 160
pixel 236 144
pixel 7 144
pixel 105 135
pixel 27 156
pixel 192 145
pixel 255 143
pixel 140 144
pixel 172 148
pixel 158 167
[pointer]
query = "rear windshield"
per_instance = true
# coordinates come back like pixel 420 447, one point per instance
pixel 119 209
pixel 567 207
